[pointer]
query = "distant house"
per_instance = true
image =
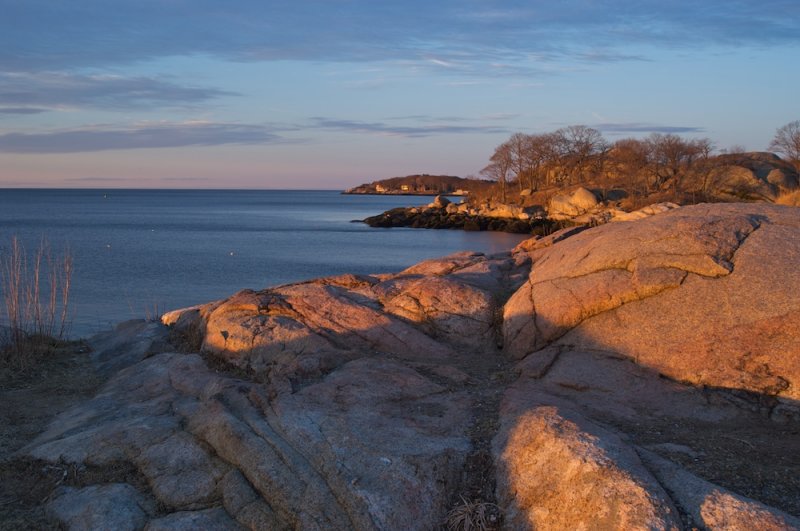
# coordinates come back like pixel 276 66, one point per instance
pixel 381 188
pixel 405 187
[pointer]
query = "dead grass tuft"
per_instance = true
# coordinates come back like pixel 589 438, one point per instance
pixel 473 516
pixel 35 303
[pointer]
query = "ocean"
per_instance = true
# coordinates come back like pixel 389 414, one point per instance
pixel 139 253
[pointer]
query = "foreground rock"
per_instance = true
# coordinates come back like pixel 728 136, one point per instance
pixel 552 466
pixel 642 289
pixel 638 375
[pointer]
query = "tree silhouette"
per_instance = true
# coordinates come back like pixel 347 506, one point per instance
pixel 787 142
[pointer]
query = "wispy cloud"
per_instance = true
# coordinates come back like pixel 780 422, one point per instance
pixel 607 56
pixel 646 128
pixel 161 135
pixel 428 118
pixel 452 34
pixel 21 110
pixel 38 91
pixel 388 129
pixel 501 116
pixel 96 180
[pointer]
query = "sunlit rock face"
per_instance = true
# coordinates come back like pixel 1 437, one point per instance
pixel 563 385
pixel 576 203
pixel 704 295
pixel 557 468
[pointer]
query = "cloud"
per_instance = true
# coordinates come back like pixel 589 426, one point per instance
pixel 605 56
pixel 138 179
pixel 24 90
pixel 382 128
pixel 427 118
pixel 21 110
pixel 647 128
pixel 169 135
pixel 502 116
pixel 448 35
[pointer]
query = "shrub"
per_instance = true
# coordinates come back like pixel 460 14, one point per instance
pixel 35 303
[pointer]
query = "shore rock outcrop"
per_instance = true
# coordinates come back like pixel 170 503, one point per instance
pixel 640 374
pixel 492 217
pixel 642 289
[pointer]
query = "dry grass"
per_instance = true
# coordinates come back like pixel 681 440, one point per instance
pixel 152 314
pixel 35 302
pixel 473 516
pixel 789 198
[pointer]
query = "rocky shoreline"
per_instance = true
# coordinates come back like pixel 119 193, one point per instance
pixel 581 207
pixel 443 214
pixel 634 375
pixel 439 219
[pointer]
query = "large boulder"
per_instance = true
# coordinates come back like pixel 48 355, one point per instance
pixel 740 182
pixel 752 176
pixel 501 210
pixel 648 290
pixel 439 201
pixel 578 202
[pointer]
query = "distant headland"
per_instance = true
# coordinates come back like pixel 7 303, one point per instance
pixel 422 184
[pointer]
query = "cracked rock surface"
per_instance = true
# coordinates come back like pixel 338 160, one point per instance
pixel 637 375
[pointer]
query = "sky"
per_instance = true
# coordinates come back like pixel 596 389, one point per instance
pixel 328 94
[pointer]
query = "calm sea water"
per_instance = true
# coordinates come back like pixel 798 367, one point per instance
pixel 138 252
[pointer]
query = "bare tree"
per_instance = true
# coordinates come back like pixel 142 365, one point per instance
pixel 544 154
pixel 787 142
pixel 520 156
pixel 703 147
pixel 500 167
pixel 630 158
pixel 703 166
pixel 735 149
pixel 671 158
pixel 581 147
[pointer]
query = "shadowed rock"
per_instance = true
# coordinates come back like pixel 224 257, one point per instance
pixel 712 507
pixel 113 506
